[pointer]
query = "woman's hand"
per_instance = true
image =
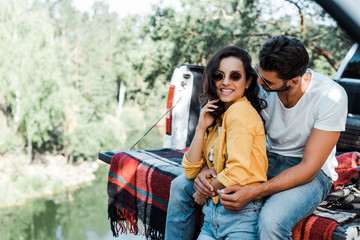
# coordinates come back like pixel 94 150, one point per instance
pixel 199 199
pixel 205 118
pixel 201 184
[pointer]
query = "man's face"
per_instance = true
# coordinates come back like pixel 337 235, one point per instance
pixel 270 82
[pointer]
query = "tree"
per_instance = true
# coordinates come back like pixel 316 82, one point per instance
pixel 66 75
pixel 29 73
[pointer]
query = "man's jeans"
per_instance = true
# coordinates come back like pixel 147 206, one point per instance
pixel 279 214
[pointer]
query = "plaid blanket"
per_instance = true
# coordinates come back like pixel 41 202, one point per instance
pixel 139 186
pixel 138 189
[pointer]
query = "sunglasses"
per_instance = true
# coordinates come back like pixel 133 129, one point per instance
pixel 218 76
pixel 265 81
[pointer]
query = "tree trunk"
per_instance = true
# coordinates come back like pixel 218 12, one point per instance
pixel 122 90
pixel 29 124
pixel 3 118
pixel 17 107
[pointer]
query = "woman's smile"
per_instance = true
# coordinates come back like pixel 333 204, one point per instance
pixel 230 86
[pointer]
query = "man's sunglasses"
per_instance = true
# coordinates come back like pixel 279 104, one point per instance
pixel 218 76
pixel 265 81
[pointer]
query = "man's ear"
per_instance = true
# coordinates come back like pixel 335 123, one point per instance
pixel 294 81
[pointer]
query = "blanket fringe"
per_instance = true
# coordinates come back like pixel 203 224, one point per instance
pixel 154 234
pixel 123 221
pixel 141 228
pixel 129 224
pixel 126 222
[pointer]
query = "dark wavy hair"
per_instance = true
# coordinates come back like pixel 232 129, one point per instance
pixel 209 87
pixel 286 56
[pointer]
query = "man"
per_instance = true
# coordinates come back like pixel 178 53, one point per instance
pixel 305 114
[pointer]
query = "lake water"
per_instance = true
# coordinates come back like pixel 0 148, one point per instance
pixel 76 215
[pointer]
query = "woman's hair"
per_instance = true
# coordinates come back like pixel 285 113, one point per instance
pixel 209 87
pixel 286 56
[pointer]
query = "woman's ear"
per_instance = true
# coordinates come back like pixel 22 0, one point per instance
pixel 248 82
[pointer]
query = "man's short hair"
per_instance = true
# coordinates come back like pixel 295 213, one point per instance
pixel 286 56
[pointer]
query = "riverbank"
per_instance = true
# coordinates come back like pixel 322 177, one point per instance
pixel 21 181
pixel 78 214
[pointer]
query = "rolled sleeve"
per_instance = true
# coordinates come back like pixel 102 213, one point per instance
pixel 191 170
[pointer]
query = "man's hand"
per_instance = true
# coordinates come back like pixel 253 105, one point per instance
pixel 199 199
pixel 236 197
pixel 202 186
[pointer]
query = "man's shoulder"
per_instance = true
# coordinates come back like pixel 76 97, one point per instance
pixel 324 80
pixel 323 83
pixel 326 92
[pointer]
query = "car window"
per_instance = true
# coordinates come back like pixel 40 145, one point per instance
pixel 352 69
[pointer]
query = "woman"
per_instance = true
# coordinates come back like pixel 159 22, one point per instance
pixel 230 138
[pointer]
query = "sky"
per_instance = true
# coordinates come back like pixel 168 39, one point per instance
pixel 130 7
pixel 126 7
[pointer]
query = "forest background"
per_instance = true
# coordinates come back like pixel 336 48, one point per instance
pixel 73 83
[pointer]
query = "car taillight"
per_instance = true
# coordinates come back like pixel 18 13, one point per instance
pixel 170 102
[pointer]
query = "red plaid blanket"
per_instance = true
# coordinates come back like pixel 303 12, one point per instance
pixel 139 186
pixel 138 189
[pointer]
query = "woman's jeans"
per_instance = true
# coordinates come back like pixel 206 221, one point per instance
pixel 220 223
pixel 279 214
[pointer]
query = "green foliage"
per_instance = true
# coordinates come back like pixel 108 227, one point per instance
pixel 61 69
pixel 10 141
pixel 90 138
pixel 134 119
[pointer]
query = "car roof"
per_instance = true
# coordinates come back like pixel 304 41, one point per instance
pixel 346 13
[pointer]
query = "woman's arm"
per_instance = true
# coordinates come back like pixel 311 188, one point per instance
pixel 217 185
pixel 193 155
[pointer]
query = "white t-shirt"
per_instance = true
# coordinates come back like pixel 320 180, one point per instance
pixel 323 106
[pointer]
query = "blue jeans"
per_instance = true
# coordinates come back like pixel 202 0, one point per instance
pixel 181 211
pixel 282 211
pixel 279 214
pixel 220 223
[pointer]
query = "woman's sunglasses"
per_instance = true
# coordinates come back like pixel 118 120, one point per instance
pixel 218 76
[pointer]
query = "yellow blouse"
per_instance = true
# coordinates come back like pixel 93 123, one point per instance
pixel 239 150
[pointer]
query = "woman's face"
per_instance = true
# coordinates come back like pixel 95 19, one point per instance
pixel 230 80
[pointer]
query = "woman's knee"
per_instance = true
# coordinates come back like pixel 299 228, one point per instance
pixel 182 185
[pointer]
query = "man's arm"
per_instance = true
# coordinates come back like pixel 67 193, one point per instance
pixel 317 150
